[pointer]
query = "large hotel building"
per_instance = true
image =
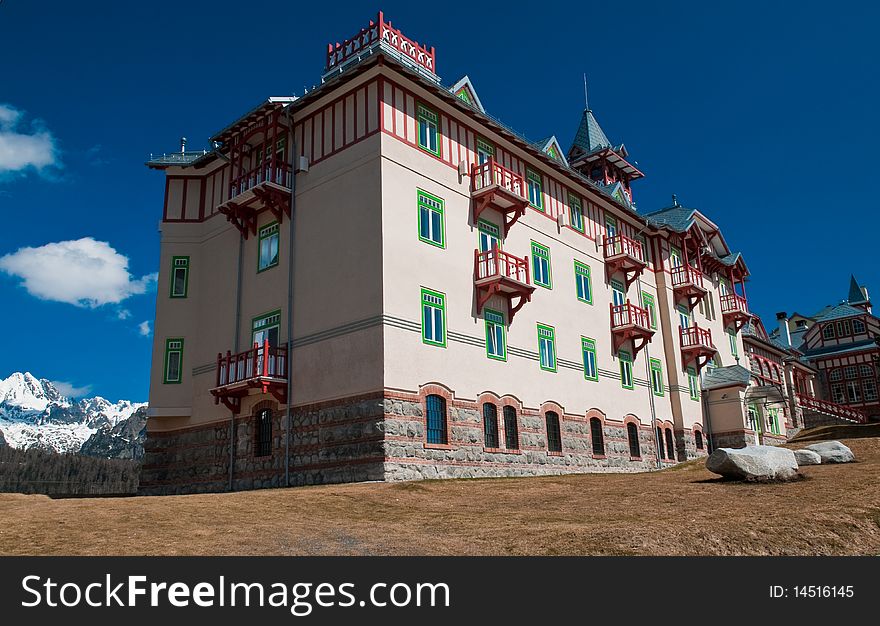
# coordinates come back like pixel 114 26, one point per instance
pixel 380 281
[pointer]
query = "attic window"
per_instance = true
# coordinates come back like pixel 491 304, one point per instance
pixel 801 323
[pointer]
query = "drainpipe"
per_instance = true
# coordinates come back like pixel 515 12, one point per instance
pixel 657 442
pixel 236 340
pixel 710 445
pixel 290 273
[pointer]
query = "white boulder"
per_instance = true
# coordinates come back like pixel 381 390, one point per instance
pixel 832 452
pixel 754 463
pixel 807 457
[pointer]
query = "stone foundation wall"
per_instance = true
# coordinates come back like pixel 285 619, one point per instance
pixel 733 439
pixel 408 457
pixel 382 437
pixel 330 443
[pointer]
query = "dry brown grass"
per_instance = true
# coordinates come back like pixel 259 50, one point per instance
pixel 835 511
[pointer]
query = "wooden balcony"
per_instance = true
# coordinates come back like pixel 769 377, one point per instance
pixel 262 367
pixel 735 311
pixel 263 187
pixel 696 346
pixel 625 255
pixel 630 323
pixel 493 186
pixel 498 273
pixel 687 284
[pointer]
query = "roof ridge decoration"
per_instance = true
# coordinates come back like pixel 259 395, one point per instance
pixel 380 33
pixel 589 136
pixel 464 90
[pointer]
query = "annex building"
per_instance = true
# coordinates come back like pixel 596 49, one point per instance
pixel 380 281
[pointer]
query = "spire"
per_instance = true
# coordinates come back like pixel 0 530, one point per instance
pixel 856 295
pixel 590 135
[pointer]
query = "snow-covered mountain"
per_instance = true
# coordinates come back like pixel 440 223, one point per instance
pixel 34 414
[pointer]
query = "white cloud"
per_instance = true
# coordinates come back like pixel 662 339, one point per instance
pixel 83 272
pixel 23 146
pixel 123 314
pixel 144 329
pixel 70 390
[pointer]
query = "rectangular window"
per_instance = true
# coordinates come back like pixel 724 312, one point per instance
pixel 496 343
pixel 432 226
pixel 648 303
pixel 674 257
pixel 588 348
pixel 541 265
pixel 734 349
pixel 583 282
pixel 173 360
pixel 547 347
pixel 684 317
pixel 536 195
pixel 828 331
pixel 485 151
pixel 656 377
pixel 179 276
pixel 490 235
pixel 610 227
pixel 577 213
pixel 626 369
pixel 268 247
pixel 843 329
pixel 693 385
pixel 266 328
pixel 433 318
pixel 618 295
pixel 428 130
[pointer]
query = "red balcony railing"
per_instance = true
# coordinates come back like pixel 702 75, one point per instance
pixel 620 245
pixel 497 263
pixel 839 411
pixel 493 173
pixel 695 337
pixel 261 361
pixel 733 303
pixel 280 175
pixel 685 275
pixel 629 314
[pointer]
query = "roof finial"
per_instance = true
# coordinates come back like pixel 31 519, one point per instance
pixel 586 98
pixel 674 200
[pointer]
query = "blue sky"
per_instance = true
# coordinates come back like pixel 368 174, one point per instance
pixel 761 114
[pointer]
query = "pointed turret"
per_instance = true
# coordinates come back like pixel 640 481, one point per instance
pixel 858 296
pixel 594 156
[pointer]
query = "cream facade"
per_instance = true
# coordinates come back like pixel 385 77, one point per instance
pixel 463 302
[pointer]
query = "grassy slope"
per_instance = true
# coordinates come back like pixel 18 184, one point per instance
pixel 679 511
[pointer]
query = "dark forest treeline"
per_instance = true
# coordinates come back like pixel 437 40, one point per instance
pixel 47 472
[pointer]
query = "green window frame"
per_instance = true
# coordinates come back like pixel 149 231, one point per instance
pixel 583 282
pixel 773 418
pixel 429 130
pixel 693 387
pixel 541 272
pixel 591 367
pixel 649 304
pixel 496 335
pixel 432 219
pixel 547 347
pixel 734 349
pixel 618 293
pixel 264 324
pixel 489 235
pixel 626 369
pixel 536 189
pixel 656 377
pixel 577 213
pixel 172 373
pixel 433 318
pixel 268 246
pixel 179 276
pixel 485 150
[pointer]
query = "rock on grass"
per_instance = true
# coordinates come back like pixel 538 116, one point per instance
pixel 754 463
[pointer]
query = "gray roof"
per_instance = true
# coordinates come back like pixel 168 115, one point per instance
pixel 849 347
pixel 676 217
pixel 590 136
pixel 833 312
pixel 730 376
